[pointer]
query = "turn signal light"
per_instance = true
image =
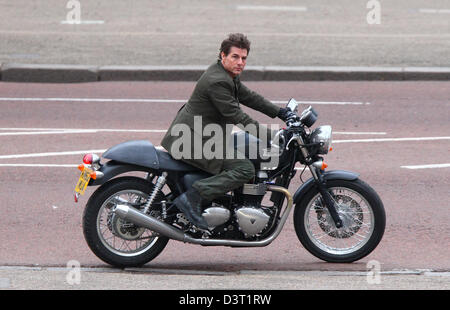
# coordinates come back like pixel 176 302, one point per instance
pixel 324 166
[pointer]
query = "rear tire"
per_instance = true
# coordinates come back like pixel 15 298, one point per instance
pixel 363 215
pixel 114 240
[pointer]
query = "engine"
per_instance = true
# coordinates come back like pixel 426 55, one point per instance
pixel 251 221
pixel 216 215
pixel 244 216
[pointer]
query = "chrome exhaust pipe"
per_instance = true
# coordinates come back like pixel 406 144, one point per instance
pixel 134 216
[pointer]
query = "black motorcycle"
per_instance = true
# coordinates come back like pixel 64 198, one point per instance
pixel 129 219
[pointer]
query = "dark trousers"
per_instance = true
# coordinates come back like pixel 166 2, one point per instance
pixel 235 173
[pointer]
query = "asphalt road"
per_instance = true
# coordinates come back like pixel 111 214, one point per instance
pixel 386 131
pixel 283 33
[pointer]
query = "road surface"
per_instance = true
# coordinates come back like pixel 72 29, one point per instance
pixel 396 135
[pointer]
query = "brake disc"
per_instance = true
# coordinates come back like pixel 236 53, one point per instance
pixel 124 229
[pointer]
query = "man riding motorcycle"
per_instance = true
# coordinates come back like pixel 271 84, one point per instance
pixel 216 100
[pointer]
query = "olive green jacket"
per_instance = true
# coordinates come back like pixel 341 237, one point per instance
pixel 213 104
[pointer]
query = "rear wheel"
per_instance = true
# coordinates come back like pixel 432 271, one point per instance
pixel 114 240
pixel 363 216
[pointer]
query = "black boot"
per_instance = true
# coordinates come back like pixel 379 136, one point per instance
pixel 190 203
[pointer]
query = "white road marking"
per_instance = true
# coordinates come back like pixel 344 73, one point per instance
pixel 96 100
pixel 50 154
pixel 272 8
pixel 69 166
pixel 151 100
pixel 358 133
pixel 83 22
pixel 435 11
pixel 15 156
pixel 391 139
pixel 40 165
pixel 296 168
pixel 65 153
pixel 49 131
pixel 53 132
pixel 44 131
pixel 323 102
pixel 427 166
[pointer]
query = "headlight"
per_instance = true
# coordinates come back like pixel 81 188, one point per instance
pixel 322 136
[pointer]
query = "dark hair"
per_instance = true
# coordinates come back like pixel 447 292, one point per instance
pixel 234 39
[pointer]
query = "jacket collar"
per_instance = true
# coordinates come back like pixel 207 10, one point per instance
pixel 235 80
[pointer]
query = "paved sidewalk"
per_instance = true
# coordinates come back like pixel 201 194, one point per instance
pixel 61 278
pixel 173 40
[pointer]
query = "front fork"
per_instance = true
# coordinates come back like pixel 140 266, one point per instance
pixel 316 171
pixel 330 203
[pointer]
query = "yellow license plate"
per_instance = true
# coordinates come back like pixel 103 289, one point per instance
pixel 83 181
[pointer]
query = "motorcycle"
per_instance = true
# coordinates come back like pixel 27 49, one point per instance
pixel 129 219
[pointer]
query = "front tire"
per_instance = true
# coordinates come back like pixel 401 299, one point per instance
pixel 113 240
pixel 363 215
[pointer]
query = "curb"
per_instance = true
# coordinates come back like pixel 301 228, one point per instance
pixel 44 73
pixel 153 270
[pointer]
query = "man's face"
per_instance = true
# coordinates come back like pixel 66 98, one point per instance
pixel 235 61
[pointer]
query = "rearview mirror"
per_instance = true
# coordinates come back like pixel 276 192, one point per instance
pixel 292 105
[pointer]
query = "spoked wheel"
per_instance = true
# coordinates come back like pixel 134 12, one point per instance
pixel 114 240
pixel 362 214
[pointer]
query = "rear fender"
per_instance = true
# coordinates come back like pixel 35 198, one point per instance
pixel 135 152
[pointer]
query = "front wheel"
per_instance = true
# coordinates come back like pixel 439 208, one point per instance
pixel 363 216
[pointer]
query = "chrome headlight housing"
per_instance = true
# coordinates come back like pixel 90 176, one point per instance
pixel 322 136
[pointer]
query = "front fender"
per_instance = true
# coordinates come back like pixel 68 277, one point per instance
pixel 113 168
pixel 328 175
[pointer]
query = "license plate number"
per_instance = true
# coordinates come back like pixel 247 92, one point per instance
pixel 83 181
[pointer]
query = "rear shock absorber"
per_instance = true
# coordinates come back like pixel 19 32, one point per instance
pixel 160 182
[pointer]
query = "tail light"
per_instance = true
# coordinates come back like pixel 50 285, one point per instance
pixel 90 159
pixel 87 159
pixel 92 162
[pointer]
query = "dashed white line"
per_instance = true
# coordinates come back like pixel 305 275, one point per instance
pixel 159 147
pixel 83 22
pixel 435 11
pixel 435 166
pixel 50 154
pixel 359 133
pixel 392 139
pixel 95 100
pixel 324 102
pixel 272 8
pixel 427 166
pixel 154 100
pixel 40 165
pixel 75 130
pixel 44 131
pixel 53 132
